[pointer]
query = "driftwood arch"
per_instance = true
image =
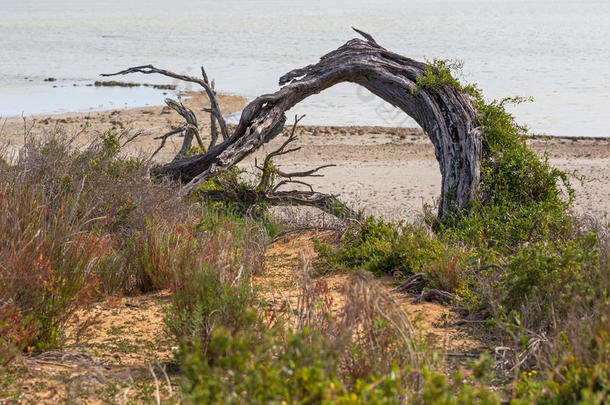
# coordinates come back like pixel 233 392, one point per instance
pixel 446 114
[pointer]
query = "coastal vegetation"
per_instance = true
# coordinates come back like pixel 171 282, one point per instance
pixel 83 225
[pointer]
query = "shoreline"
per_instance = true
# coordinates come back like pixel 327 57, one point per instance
pixel 387 171
pixel 199 99
pixel 84 113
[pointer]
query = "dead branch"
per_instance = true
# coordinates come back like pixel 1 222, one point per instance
pixel 416 284
pixel 213 130
pixel 365 35
pixel 163 138
pixel 281 183
pixel 437 295
pixel 150 69
pixel 413 284
pixel 306 173
pixel 191 129
pixel 491 266
pixel 325 202
pixel 268 169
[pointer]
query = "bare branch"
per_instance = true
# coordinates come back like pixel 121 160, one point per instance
pixel 325 202
pixel 127 141
pixel 307 173
pixel 434 294
pixel 213 130
pixel 281 183
pixel 366 36
pixel 267 169
pixel 191 129
pixel 164 139
pixel 491 266
pixel 150 69
pixel 413 284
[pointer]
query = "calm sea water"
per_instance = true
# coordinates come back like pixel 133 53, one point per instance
pixel 556 51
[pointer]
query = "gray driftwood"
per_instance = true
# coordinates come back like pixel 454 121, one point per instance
pixel 445 113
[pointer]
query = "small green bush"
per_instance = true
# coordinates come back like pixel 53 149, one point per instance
pixel 555 272
pixel 207 262
pixel 240 200
pixel 106 183
pixel 203 300
pixel 238 369
pixel 438 389
pixel 510 172
pixel 248 360
pixel 499 230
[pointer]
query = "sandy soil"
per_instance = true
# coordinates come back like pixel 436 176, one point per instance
pixel 389 172
pixel 113 363
pixel 289 257
pixel 392 172
pixel 118 359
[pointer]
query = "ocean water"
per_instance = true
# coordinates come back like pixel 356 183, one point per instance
pixel 556 51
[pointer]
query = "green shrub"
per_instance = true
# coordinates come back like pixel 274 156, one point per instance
pixel 569 383
pixel 207 264
pixel 575 366
pixel 438 73
pixel 555 272
pixel 499 230
pixel 238 199
pixel 239 368
pixel 152 255
pixel 203 300
pixel 384 248
pixel 68 215
pixel 195 150
pixel 438 389
pixel 510 172
pixel 109 185
pixel 400 250
pixel 300 367
pixel 241 351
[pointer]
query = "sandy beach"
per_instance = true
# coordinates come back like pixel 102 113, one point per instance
pixel 390 172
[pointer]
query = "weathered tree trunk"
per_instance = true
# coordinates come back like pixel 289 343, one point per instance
pixel 446 114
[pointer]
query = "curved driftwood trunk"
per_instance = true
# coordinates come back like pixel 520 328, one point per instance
pixel 446 114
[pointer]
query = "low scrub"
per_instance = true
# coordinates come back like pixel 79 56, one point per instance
pixel 236 348
pixel 49 265
pixel 68 218
pixel 210 277
pixel 400 250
